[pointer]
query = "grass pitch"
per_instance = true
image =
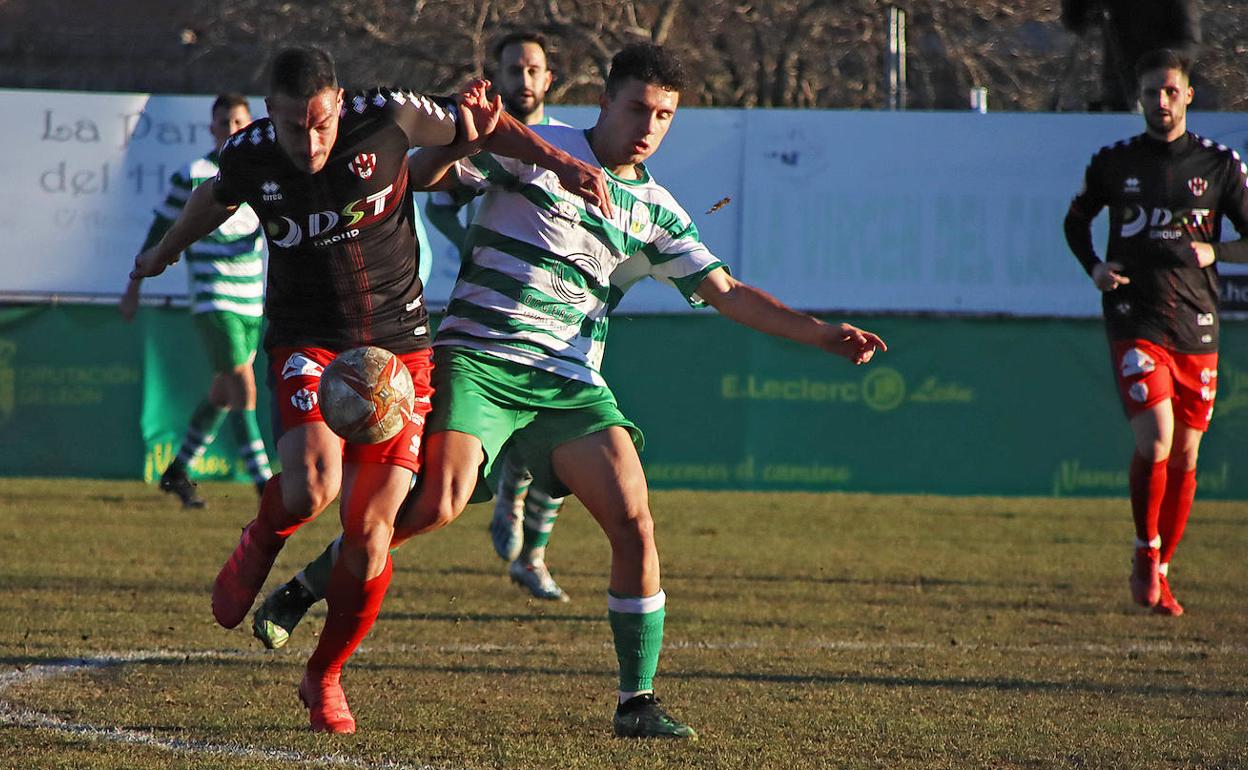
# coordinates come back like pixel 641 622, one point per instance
pixel 804 631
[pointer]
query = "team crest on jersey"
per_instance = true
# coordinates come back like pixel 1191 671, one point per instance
pixel 363 165
pixel 1197 185
pixel 565 210
pixel 639 218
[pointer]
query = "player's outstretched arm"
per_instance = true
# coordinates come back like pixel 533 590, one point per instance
pixel 486 125
pixel 759 310
pixel 201 215
pixel 515 140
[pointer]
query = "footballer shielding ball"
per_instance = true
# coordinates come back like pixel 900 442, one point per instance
pixel 367 395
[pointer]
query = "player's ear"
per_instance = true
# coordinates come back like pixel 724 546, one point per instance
pixel 1191 92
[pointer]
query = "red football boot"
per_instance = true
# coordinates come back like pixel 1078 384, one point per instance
pixel 242 577
pixel 1167 604
pixel 1145 578
pixel 327 703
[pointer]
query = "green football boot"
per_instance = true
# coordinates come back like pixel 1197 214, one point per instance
pixel 280 612
pixel 642 717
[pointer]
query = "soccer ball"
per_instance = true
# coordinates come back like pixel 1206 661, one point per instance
pixel 367 395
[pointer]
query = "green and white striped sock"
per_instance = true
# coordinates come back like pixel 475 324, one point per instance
pixel 251 445
pixel 205 422
pixel 540 512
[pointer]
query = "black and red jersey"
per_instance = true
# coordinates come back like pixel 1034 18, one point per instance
pixel 343 253
pixel 1162 196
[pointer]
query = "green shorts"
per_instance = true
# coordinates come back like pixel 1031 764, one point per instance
pixel 499 401
pixel 229 338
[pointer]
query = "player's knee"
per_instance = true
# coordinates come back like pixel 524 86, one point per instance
pixel 632 530
pixel 310 495
pixel 1157 450
pixel 438 516
pixel 365 550
pixel 1183 458
pixel 372 539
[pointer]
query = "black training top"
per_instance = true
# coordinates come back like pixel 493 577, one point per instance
pixel 343 253
pixel 1161 197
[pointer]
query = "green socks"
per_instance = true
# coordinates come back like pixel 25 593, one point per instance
pixel 637 624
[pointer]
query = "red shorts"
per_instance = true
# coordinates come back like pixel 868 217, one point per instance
pixel 295 379
pixel 1149 374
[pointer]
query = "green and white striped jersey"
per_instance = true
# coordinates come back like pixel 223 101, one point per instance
pixel 443 207
pixel 226 268
pixel 543 272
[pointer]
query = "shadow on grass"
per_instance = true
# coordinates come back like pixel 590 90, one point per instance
pixel 996 684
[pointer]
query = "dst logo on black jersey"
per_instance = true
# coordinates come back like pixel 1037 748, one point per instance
pixel 286 233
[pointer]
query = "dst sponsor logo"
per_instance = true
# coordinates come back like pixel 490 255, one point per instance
pixel 1161 223
pixel 286 233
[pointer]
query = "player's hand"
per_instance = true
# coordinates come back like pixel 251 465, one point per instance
pixel 1201 254
pixel 1108 276
pixel 589 182
pixel 129 300
pixel 150 262
pixel 852 343
pixel 479 115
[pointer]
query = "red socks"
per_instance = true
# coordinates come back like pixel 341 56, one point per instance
pixel 278 523
pixel 1148 487
pixel 1176 506
pixel 353 608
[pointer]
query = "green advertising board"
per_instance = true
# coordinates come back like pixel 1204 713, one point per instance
pixel 957 406
pixel 83 393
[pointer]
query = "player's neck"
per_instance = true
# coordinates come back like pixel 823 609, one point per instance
pixel 624 170
pixel 534 118
pixel 1167 137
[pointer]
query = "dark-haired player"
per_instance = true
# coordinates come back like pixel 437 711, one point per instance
pixel 327 174
pixel 524 514
pixel 518 354
pixel 1167 191
pixel 226 281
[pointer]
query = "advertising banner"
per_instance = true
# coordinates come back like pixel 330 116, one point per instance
pixel 875 211
pixel 84 394
pixel 957 406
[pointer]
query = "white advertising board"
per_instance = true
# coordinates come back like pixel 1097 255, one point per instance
pixel 862 211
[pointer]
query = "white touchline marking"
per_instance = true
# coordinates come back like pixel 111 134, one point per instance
pixel 24 717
